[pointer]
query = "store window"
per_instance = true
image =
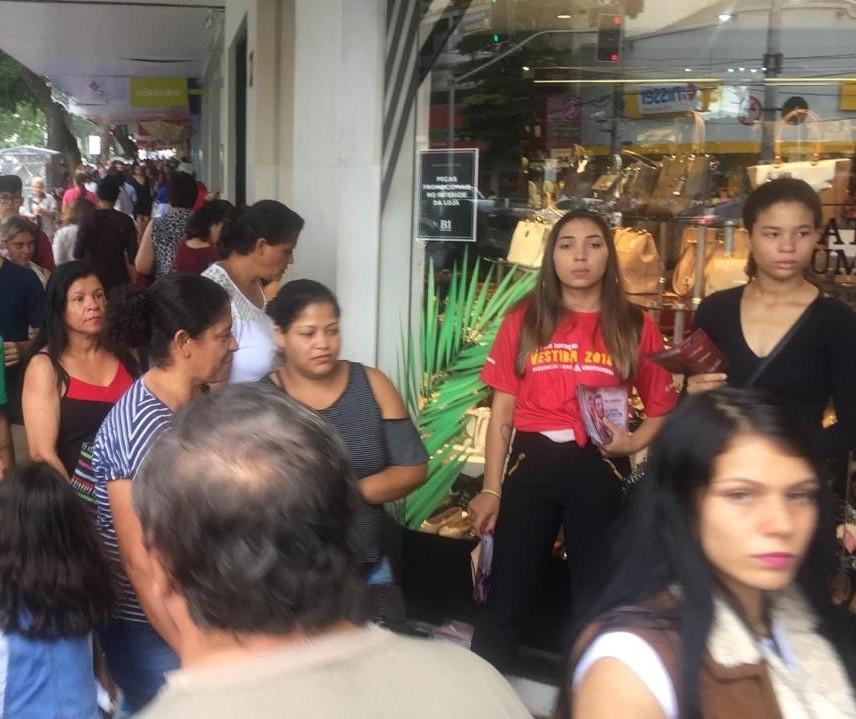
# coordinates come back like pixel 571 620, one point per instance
pixel 662 116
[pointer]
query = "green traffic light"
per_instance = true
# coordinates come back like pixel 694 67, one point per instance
pixel 494 38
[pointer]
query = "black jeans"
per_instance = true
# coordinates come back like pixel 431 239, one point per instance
pixel 547 484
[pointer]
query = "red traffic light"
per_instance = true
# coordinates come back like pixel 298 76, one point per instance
pixel 609 37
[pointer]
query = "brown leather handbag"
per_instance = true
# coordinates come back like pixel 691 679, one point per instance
pixel 683 179
pixel 638 182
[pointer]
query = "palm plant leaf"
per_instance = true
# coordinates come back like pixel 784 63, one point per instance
pixel 439 379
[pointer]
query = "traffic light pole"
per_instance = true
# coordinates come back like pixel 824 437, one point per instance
pixel 772 68
pixel 514 48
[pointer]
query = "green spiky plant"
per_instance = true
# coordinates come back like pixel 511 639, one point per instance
pixel 439 378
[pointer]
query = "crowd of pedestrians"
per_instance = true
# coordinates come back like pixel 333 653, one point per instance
pixel 199 530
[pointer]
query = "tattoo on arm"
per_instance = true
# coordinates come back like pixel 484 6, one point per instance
pixel 505 432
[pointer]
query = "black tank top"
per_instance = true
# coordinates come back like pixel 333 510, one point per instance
pixel 356 417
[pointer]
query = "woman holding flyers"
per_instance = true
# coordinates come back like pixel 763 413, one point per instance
pixel 777 332
pixel 577 328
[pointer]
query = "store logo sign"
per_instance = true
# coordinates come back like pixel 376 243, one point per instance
pixel 667 98
pixel 158 91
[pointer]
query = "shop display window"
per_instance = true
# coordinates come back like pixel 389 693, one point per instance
pixel 662 116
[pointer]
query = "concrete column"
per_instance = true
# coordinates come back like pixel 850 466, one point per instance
pixel 314 116
pixel 337 113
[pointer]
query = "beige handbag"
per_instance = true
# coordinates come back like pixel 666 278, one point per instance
pixel 724 272
pixel 829 178
pixel 720 270
pixel 683 179
pixel 527 244
pixel 638 260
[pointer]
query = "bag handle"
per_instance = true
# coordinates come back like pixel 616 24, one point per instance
pixel 812 120
pixel 699 131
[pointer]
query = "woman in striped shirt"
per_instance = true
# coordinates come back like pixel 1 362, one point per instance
pixel 185 323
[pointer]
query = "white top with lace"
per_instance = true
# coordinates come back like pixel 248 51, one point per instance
pixel 252 328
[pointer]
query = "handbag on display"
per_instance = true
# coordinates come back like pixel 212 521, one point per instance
pixel 721 270
pixel 638 260
pixel 725 271
pixel 527 244
pixel 684 274
pixel 683 179
pixel 579 182
pixel 829 178
pixel 606 184
pixel 638 182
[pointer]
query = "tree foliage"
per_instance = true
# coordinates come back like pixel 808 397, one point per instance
pixel 27 94
pixel 22 121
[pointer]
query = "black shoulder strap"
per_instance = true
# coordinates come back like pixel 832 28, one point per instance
pixel 780 345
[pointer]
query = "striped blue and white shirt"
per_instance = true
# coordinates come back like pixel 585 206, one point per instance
pixel 121 444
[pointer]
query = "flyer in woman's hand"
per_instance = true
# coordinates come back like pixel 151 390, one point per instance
pixel 695 354
pixel 598 404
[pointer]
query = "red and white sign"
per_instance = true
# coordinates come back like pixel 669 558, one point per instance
pixel 750 111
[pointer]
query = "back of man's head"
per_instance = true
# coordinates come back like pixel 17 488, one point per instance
pixel 248 502
pixel 11 184
pixel 108 189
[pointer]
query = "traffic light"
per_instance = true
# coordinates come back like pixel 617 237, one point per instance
pixel 609 32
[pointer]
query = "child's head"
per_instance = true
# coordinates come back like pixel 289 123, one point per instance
pixel 54 580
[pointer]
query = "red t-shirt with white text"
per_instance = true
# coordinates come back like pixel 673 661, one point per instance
pixel 545 398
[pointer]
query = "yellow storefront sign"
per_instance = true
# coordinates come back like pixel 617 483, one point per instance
pixel 847 96
pixel 158 91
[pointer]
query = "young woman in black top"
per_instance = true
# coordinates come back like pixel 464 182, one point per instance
pixel 780 313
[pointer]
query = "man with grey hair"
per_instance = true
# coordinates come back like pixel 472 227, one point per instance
pixel 247 506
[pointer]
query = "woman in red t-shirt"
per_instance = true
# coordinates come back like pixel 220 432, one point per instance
pixel 576 328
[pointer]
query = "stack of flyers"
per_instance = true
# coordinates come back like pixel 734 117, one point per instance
pixel 599 403
pixel 695 354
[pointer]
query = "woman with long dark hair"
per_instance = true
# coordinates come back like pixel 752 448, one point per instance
pixel 185 324
pixel 576 328
pixel 54 591
pixel 718 603
pixel 199 250
pixel 71 376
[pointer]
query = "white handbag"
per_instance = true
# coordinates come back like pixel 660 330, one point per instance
pixel 527 244
pixel 828 178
